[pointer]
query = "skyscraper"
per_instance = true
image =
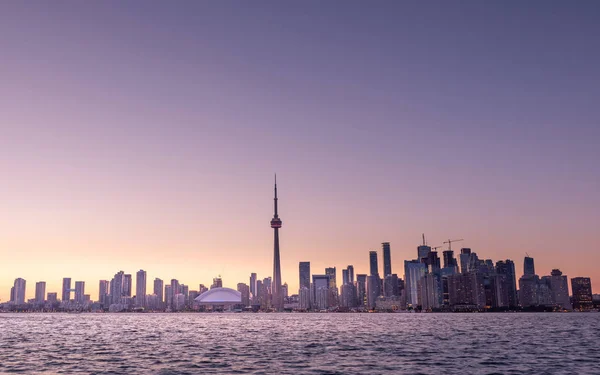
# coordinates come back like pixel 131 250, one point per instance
pixel 465 257
pixel 277 298
pixel 361 289
pixel 158 290
pixel 245 291
pixel 423 250
pixel 560 290
pixel 66 289
pixel 449 260
pixel 528 266
pixel 304 271
pixel 345 276
pixel 387 259
pixel 19 291
pixel 582 293
pixel 79 291
pixel 351 274
pixel 40 292
pixel 507 269
pixel 116 287
pixel 103 291
pixel 140 288
pixel 414 271
pixel 373 266
pixel 253 278
pixel 331 272
pixel 127 285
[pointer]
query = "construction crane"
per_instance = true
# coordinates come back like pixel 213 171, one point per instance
pixel 436 247
pixel 449 242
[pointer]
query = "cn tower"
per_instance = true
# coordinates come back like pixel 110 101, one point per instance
pixel 276 287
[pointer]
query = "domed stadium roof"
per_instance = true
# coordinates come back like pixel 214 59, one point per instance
pixel 220 296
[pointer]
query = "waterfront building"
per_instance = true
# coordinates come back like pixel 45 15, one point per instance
pixel 20 287
pixel 168 296
pixel 116 287
pixel 253 279
pixel 140 288
pixel 304 271
pixel 466 291
pixel 40 292
pixel 449 260
pixel 361 290
pixel 245 293
pixel 373 266
pixel 350 274
pixel 348 296
pixel 158 291
pixel 509 281
pixel 528 290
pixel 79 291
pixel 423 250
pixel 465 256
pixel 320 282
pixel 52 298
pixel 391 286
pixel 66 289
pixel 127 285
pixel 528 266
pixel 373 290
pixel 103 290
pixel 581 288
pixel 304 298
pixel 414 271
pixel 387 259
pixel 560 290
pixel 430 291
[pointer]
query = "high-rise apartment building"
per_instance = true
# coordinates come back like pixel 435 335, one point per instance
pixel 373 266
pixel 304 271
pixel 66 289
pixel 79 291
pixel 582 293
pixel 40 292
pixel 387 259
pixel 528 266
pixel 19 291
pixel 140 288
pixel 158 290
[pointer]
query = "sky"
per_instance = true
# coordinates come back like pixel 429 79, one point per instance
pixel 145 135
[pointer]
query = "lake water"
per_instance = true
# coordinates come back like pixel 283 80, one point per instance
pixel 300 343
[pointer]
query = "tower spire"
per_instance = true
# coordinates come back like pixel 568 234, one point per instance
pixel 277 296
pixel 275 195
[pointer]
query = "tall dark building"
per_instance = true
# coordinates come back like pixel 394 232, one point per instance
pixel 449 259
pixel 374 268
pixel 361 289
pixel 159 290
pixel 304 269
pixel 507 269
pixel 387 259
pixel 351 275
pixel 277 296
pixel 66 289
pixel 528 266
pixel 423 250
pixel 582 293
pixel 331 272
pixel 345 276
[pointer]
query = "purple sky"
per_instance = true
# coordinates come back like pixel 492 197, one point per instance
pixel 145 135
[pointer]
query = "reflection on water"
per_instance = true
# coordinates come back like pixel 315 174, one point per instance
pixel 300 343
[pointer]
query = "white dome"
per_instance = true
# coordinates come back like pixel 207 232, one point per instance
pixel 220 296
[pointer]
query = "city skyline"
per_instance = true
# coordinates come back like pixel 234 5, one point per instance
pixel 151 144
